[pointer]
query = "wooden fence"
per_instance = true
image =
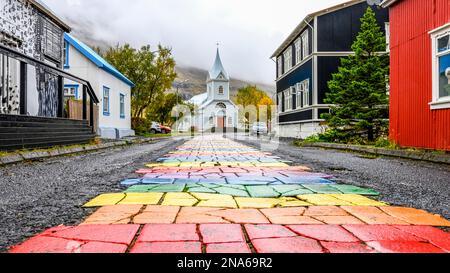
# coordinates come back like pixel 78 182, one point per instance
pixel 75 111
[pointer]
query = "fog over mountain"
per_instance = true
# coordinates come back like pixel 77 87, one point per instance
pixel 248 31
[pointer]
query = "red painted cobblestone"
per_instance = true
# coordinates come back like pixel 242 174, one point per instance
pixel 221 233
pixel 44 244
pixel 228 248
pixel 335 247
pixel 404 247
pixel 268 231
pixel 168 233
pixel 120 234
pixel 287 245
pixel 381 233
pixel 325 233
pixel 167 247
pixel 435 236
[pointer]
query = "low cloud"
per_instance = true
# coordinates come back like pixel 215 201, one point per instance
pixel 248 30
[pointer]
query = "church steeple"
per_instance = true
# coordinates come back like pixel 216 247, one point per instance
pixel 218 72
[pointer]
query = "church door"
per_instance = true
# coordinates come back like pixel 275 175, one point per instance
pixel 220 122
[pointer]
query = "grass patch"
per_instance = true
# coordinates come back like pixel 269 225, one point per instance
pixel 54 148
pixel 154 135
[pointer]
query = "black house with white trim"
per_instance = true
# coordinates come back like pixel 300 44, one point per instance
pixel 307 59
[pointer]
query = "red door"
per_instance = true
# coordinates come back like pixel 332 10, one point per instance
pixel 220 122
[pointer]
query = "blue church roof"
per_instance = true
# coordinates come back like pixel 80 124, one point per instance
pixel 96 59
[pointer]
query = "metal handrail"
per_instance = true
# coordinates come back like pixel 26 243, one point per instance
pixel 57 71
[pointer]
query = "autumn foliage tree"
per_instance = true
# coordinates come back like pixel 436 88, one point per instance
pixel 251 96
pixel 153 73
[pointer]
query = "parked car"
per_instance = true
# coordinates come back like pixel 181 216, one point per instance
pixel 165 129
pixel 259 128
pixel 155 128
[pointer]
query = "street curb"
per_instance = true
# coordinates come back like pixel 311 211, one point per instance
pixel 20 156
pixel 408 154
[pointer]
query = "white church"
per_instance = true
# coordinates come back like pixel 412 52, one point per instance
pixel 214 107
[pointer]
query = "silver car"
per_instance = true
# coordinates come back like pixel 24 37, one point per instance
pixel 259 128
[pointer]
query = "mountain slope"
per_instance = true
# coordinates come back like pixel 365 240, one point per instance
pixel 191 81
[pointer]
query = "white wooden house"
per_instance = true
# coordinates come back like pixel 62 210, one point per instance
pixel 112 88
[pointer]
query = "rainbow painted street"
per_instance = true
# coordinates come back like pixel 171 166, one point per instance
pixel 214 195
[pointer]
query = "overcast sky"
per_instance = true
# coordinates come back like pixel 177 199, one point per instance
pixel 248 31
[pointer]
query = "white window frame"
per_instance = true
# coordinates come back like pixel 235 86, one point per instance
pixel 300 88
pixel 298 51
pixel 280 102
pixel 106 101
pixel 70 91
pixel 305 44
pixel 387 28
pixel 287 59
pixel 438 102
pixel 306 93
pixel 287 100
pixel 280 66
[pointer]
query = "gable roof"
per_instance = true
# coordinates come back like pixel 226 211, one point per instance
pixel 217 68
pixel 199 99
pixel 96 59
pixel 305 22
pixel 42 7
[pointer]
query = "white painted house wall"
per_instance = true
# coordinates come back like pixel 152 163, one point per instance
pixel 82 67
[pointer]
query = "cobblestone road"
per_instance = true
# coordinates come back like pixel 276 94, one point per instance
pixel 214 195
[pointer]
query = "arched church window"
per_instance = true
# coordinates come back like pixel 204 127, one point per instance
pixel 221 105
pixel 220 90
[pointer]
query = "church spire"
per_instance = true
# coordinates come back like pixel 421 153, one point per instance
pixel 217 68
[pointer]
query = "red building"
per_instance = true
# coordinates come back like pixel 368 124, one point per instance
pixel 420 73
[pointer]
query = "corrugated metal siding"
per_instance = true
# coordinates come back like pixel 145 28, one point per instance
pixel 413 124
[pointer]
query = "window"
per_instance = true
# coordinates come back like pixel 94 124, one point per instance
pixel 287 100
pixel 122 106
pixel 71 91
pixel 220 90
pixel 288 59
pixel 221 105
pixel 280 102
pixel 298 51
pixel 441 68
pixel 300 89
pixel 106 101
pixel 388 36
pixel 305 44
pixel 66 55
pixel 51 40
pixel 303 94
pixel 294 97
pixel 279 66
pixel 230 121
pixel 306 93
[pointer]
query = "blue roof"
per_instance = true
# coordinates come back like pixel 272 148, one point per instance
pixel 96 59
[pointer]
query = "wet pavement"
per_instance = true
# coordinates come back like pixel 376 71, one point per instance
pixel 214 195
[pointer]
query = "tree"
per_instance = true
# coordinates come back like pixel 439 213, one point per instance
pixel 152 72
pixel 358 90
pixel 250 95
pixel 162 111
